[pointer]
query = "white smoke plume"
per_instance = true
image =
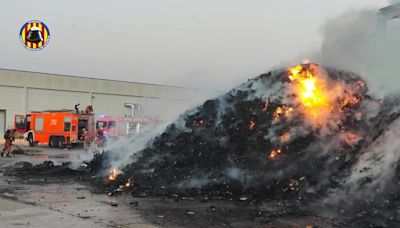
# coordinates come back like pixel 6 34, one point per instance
pixel 376 166
pixel 123 149
pixel 354 43
pixel 351 42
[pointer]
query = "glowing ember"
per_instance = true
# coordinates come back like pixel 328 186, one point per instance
pixel 113 175
pixel 350 101
pixel 128 184
pixel 282 111
pixel 274 154
pixel 198 122
pixel 351 138
pixel 252 124
pixel 285 137
pixel 279 111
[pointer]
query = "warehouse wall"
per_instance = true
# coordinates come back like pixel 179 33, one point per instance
pixel 22 92
pixel 108 104
pixel 43 99
pixel 11 103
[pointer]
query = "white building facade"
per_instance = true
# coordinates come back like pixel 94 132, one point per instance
pixel 22 92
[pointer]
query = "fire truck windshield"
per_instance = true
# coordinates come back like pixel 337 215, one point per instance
pixel 112 124
pixel 102 124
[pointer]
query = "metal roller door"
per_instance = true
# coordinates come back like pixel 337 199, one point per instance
pixel 2 122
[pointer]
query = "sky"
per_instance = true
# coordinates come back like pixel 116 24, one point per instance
pixel 213 44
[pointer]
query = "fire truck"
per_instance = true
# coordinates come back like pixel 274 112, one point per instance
pixel 58 129
pixel 122 127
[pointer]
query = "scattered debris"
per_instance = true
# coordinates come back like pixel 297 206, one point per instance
pixel 134 203
pixel 111 203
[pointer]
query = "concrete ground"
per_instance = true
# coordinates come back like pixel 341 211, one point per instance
pixel 38 203
pixel 61 204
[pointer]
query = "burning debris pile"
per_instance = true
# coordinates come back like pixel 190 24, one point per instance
pixel 302 133
pixel 298 130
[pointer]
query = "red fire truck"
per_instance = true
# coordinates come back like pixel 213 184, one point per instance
pixel 122 127
pixel 56 128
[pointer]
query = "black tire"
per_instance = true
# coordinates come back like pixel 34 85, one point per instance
pixel 30 140
pixel 54 142
pixel 61 143
pixel 51 142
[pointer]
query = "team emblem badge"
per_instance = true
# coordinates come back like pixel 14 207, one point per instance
pixel 34 35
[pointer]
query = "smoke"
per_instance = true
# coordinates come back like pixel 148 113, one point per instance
pixel 121 150
pixel 377 165
pixel 351 42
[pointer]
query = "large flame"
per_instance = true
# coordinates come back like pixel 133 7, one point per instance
pixel 311 90
pixel 324 102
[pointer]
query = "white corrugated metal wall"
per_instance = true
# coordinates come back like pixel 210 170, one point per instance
pixel 22 92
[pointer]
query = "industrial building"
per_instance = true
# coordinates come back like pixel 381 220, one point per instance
pixel 23 91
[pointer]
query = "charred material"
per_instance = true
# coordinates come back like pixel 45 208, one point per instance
pixel 251 141
pixel 293 134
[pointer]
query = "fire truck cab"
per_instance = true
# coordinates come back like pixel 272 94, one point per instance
pixel 122 127
pixel 58 129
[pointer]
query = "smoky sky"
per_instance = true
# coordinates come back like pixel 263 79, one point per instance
pixel 351 42
pixel 203 44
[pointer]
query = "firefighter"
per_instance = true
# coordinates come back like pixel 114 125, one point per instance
pixel 89 109
pixel 85 139
pixel 100 137
pixel 9 136
pixel 76 107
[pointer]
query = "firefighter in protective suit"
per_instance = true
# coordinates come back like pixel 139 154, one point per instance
pixel 100 139
pixel 89 109
pixel 85 139
pixel 9 137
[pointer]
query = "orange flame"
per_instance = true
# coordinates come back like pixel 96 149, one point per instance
pixel 282 111
pixel 113 175
pixel 311 90
pixel 274 154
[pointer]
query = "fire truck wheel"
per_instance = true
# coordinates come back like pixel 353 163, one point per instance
pixel 61 141
pixel 54 143
pixel 30 140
